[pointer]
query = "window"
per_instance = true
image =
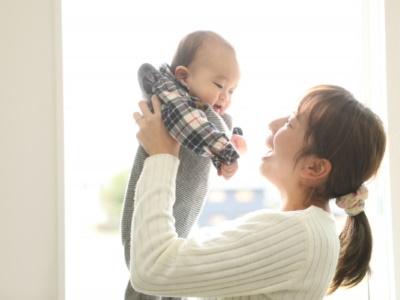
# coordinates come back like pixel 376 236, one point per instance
pixel 282 51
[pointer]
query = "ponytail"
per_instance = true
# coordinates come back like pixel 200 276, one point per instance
pixel 355 253
pixel 349 135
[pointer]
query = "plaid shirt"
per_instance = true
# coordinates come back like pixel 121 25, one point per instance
pixel 186 121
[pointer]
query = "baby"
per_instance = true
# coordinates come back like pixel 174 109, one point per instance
pixel 195 92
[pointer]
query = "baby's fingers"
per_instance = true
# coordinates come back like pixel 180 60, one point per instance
pixel 229 168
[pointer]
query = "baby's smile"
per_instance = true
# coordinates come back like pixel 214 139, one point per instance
pixel 218 108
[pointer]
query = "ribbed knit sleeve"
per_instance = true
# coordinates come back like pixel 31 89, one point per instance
pixel 261 253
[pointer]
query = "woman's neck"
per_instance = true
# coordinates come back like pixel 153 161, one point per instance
pixel 299 200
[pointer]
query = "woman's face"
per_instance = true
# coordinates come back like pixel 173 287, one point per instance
pixel 284 143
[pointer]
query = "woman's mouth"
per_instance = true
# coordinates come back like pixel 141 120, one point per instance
pixel 270 147
pixel 268 154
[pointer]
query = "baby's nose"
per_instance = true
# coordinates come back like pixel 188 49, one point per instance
pixel 223 96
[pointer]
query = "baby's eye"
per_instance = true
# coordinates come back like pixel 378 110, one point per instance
pixel 218 85
pixel 231 91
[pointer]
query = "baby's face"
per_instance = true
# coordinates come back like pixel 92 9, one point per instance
pixel 213 76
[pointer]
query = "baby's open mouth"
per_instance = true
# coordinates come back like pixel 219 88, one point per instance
pixel 218 108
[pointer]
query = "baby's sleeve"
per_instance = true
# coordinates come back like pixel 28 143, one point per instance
pixel 189 125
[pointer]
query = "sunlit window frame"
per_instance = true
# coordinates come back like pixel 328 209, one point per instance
pixel 382 71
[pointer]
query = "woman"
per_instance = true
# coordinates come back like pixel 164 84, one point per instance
pixel 326 150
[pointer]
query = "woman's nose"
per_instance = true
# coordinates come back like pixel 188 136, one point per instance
pixel 276 124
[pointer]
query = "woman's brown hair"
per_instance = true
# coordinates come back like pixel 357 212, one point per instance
pixel 349 135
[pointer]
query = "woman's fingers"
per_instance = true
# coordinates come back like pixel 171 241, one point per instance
pixel 152 134
pixel 138 117
pixel 144 108
pixel 156 104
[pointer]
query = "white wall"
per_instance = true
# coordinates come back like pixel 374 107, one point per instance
pixel 392 22
pixel 30 161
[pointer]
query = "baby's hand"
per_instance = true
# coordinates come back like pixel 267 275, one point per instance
pixel 227 171
pixel 240 143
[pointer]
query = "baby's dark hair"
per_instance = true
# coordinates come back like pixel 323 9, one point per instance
pixel 191 43
pixel 352 138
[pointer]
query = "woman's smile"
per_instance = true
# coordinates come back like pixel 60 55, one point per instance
pixel 267 154
pixel 270 147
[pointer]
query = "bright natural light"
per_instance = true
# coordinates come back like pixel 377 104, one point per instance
pixel 283 48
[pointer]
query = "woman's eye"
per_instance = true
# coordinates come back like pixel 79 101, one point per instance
pixel 218 85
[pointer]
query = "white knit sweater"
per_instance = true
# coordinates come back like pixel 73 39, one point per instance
pixel 264 255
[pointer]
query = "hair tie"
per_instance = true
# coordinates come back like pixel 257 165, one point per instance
pixel 353 203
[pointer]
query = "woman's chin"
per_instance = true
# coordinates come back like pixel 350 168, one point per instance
pixel 268 167
pixel 268 174
pixel 267 155
pixel 264 167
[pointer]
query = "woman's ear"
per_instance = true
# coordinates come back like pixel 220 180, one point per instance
pixel 315 170
pixel 181 73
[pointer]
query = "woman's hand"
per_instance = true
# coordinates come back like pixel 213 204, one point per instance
pixel 152 134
